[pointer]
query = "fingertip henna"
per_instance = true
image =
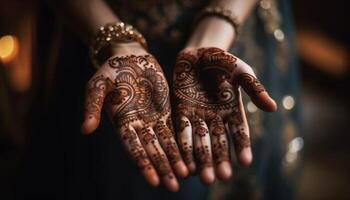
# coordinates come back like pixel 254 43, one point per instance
pixel 133 145
pixel 95 96
pixel 167 141
pixel 219 141
pixel 250 84
pixel 238 132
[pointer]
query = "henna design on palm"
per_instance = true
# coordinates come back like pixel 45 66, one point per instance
pixel 141 90
pixel 206 89
pixel 136 97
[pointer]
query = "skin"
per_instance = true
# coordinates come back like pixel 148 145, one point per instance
pixel 156 155
pixel 138 104
pixel 212 96
pixel 208 99
pixel 132 87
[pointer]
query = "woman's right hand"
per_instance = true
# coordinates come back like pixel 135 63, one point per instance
pixel 135 92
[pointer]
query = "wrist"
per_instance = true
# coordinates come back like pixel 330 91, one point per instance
pixel 120 49
pixel 212 31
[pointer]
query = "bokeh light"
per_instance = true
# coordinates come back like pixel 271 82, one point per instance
pixel 8 48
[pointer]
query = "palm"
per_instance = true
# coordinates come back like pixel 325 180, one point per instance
pixel 206 88
pixel 136 97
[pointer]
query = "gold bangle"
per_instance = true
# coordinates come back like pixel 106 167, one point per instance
pixel 114 33
pixel 221 12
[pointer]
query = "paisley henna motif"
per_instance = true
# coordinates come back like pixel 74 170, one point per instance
pixel 140 89
pixel 213 57
pixel 205 89
pixel 137 96
pixel 192 91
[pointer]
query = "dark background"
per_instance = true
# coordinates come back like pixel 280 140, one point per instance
pixel 322 38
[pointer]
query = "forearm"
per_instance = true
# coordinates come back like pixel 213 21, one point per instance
pixel 213 31
pixel 86 16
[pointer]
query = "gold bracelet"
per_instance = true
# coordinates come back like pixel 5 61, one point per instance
pixel 221 12
pixel 114 33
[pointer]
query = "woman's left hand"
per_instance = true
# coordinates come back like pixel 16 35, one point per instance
pixel 208 100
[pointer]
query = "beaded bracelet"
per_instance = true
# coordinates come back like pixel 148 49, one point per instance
pixel 114 33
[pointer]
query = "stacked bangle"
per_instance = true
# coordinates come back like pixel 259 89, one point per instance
pixel 114 33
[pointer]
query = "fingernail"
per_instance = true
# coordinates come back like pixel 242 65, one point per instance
pixel 245 157
pixel 207 175
pixel 151 177
pixel 89 125
pixel 181 169
pixel 171 183
pixel 223 170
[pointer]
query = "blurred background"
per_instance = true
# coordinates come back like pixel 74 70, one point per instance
pixel 322 38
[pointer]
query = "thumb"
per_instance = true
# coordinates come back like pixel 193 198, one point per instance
pixel 256 92
pixel 95 95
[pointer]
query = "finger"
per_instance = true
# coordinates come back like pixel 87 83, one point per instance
pixel 133 147
pixel 220 147
pixel 167 141
pixel 202 148
pixel 158 157
pixel 185 142
pixel 95 95
pixel 256 92
pixel 245 77
pixel 217 59
pixel 238 126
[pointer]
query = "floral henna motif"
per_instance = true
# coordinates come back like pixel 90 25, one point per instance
pixel 159 159
pixel 204 88
pixel 147 136
pixel 141 90
pixel 191 91
pixel 219 142
pixel 199 129
pixel 240 137
pixel 202 150
pixel 163 131
pixel 168 143
pixel 200 99
pixel 137 96
pixel 218 127
pixel 136 150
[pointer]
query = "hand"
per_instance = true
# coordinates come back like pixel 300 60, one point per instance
pixel 136 97
pixel 208 100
